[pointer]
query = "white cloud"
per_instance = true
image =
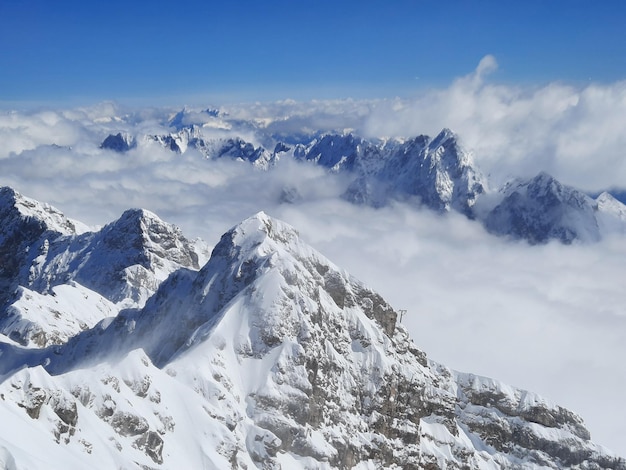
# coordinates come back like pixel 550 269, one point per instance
pixel 548 318
pixel 487 65
pixel 576 133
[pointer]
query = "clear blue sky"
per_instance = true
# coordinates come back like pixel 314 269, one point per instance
pixel 66 50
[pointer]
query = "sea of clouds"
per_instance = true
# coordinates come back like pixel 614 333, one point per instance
pixel 548 318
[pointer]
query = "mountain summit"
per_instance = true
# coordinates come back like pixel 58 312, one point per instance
pixel 269 356
pixel 434 173
pixel 47 259
pixel 541 209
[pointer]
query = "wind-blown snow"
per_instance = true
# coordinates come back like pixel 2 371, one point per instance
pixel 272 354
pixel 486 299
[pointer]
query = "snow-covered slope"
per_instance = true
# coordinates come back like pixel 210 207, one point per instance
pixel 270 356
pixel 434 173
pixel 43 252
pixel 542 209
pixel 438 171
pixel 26 225
pixel 611 214
pixel 215 147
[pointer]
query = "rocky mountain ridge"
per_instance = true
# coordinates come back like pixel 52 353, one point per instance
pixel 268 356
pixel 434 173
pixel 43 253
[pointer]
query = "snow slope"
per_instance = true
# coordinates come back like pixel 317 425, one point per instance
pixel 270 356
pixel 53 267
pixel 542 209
pixel 436 173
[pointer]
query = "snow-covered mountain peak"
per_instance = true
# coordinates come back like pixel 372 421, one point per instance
pixel 316 357
pixel 611 214
pixel 49 218
pixel 447 152
pixel 259 228
pixel 448 144
pixel 120 142
pixel 445 136
pixel 337 152
pixel 607 201
pixel 140 251
pixel 545 184
pixel 144 231
pixel 98 273
pixel 28 229
pixel 542 208
pixel 274 357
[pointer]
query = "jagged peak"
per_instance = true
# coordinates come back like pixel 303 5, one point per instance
pixel 260 227
pixel 609 203
pixel 422 140
pixel 545 183
pixel 51 218
pixel 348 139
pixel 8 192
pixel 138 214
pixel 120 142
pixel 541 179
pixel 348 136
pixel 133 220
pixel 141 228
pixel 447 133
pixel 544 177
pixel 448 146
pixel 607 197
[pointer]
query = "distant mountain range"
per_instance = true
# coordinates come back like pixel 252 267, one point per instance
pixel 128 347
pixel 434 173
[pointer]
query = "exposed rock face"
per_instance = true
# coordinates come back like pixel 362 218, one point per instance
pixel 235 148
pixel 120 142
pixel 542 209
pixel 26 223
pixel 27 228
pixel 333 151
pixel 437 172
pixel 291 361
pixel 42 253
pixel 269 356
pixel 152 444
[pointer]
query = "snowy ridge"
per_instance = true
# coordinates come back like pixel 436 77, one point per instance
pixel 436 173
pixel 19 209
pixel 270 356
pixel 611 214
pixel 541 209
pixel 119 266
pixel 214 147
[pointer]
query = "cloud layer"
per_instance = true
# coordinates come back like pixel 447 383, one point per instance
pixel 548 318
pixel 578 134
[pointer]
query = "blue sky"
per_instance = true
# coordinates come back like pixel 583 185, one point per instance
pixel 71 51
pixel 556 102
